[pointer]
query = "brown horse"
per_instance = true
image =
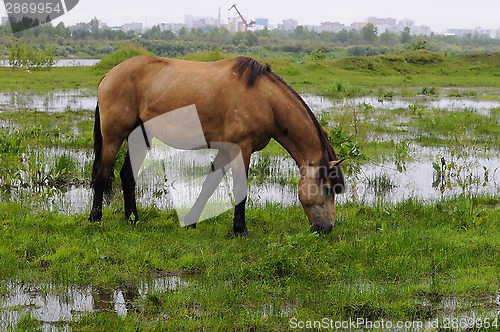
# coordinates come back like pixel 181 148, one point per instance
pixel 239 101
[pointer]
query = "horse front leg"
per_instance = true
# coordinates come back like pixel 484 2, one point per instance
pixel 128 186
pixel 240 190
pixel 209 186
pixel 239 222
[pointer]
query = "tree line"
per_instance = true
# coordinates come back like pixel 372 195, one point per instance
pixel 88 39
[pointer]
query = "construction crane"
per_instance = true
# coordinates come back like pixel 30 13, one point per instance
pixel 247 24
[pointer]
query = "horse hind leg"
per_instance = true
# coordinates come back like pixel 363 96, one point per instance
pixel 101 178
pixel 128 186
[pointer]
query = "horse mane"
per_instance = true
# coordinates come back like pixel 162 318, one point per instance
pixel 256 70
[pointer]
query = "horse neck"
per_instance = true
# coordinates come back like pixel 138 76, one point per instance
pixel 296 131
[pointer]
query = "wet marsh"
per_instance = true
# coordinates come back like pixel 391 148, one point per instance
pixel 417 235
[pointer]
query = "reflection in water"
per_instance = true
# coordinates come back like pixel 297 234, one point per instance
pixel 168 172
pixel 469 175
pixel 321 104
pixel 55 306
pixel 53 101
pixel 272 180
pixel 64 63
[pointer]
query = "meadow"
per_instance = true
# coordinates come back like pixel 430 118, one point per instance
pixel 411 261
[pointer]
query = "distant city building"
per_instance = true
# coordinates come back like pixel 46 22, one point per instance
pixel 235 25
pixel 288 25
pixel 329 27
pixel 256 27
pixel 133 26
pixel 477 32
pixel 103 25
pixel 406 23
pixel 174 27
pixel 195 22
pixel 383 24
pixel 421 30
pixel 5 20
pixel 358 25
pixel 262 21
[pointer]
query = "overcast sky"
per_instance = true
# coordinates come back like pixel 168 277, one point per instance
pixel 438 14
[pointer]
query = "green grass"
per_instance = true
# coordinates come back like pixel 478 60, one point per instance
pixel 70 129
pixel 379 262
pixel 347 76
pixel 63 78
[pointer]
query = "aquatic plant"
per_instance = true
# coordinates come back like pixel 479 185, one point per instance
pixel 346 148
pixel 401 154
pixel 12 142
pixel 381 184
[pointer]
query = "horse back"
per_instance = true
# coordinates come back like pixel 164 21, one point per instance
pixel 146 86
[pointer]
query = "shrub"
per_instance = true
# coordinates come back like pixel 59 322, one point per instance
pixel 119 56
pixel 26 56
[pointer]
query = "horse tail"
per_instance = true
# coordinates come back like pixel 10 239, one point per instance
pixel 98 155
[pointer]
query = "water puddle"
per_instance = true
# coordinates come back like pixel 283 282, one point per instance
pixel 54 101
pixel 460 314
pixel 272 179
pixel 56 307
pixel 320 104
pixel 426 178
pixel 58 101
pixel 64 63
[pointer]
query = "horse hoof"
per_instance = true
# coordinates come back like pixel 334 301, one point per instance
pixel 133 218
pixel 241 232
pixel 95 215
pixel 320 228
pixel 192 226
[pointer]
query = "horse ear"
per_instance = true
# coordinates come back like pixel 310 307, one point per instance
pixel 334 163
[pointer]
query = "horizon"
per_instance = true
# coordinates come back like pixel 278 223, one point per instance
pixel 440 17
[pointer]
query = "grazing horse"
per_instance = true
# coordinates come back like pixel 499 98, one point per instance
pixel 239 101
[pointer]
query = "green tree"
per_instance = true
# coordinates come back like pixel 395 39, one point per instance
pixel 369 33
pixel 406 36
pixel 94 24
pixel 300 33
pixel 153 33
pixel 388 38
pixel 343 36
pixel 183 32
pixel 61 30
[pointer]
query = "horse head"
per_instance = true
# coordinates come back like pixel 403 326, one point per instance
pixel 317 194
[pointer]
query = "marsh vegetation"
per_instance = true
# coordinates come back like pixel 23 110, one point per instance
pixel 417 235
